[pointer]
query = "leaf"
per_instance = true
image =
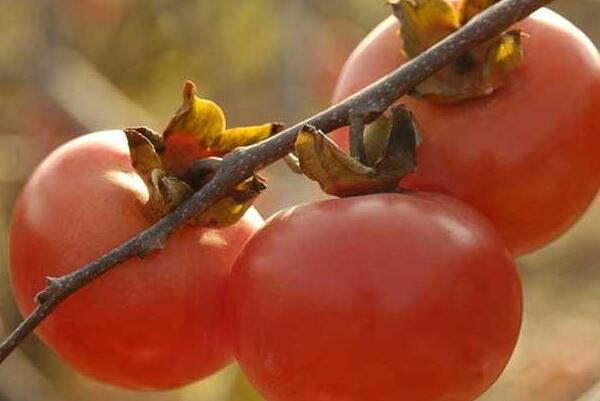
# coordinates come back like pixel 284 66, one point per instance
pixel 231 208
pixel 425 22
pixel 470 8
pixel 339 174
pixel 199 130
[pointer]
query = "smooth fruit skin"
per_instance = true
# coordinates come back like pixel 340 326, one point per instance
pixel 380 298
pixel 155 323
pixel 526 156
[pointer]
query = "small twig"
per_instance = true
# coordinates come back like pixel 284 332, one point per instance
pixel 243 162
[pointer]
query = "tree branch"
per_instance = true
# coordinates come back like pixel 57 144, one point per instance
pixel 243 162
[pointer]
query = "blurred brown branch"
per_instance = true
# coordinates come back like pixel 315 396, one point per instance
pixel 366 105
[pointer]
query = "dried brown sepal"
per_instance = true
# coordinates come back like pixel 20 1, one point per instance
pixel 166 191
pixel 477 73
pixel 154 138
pixel 376 138
pixel 341 175
pixel 323 161
pixel 399 156
pixel 144 157
pixel 232 207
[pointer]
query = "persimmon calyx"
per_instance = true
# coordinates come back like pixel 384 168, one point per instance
pixel 477 73
pixel 165 191
pixel 184 158
pixel 391 157
pixel 199 130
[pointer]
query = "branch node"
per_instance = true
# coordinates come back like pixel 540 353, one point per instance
pixel 151 245
pixel 53 285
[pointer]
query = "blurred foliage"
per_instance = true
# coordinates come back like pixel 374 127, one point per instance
pixel 72 66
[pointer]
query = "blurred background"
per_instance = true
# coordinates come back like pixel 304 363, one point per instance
pixel 68 67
